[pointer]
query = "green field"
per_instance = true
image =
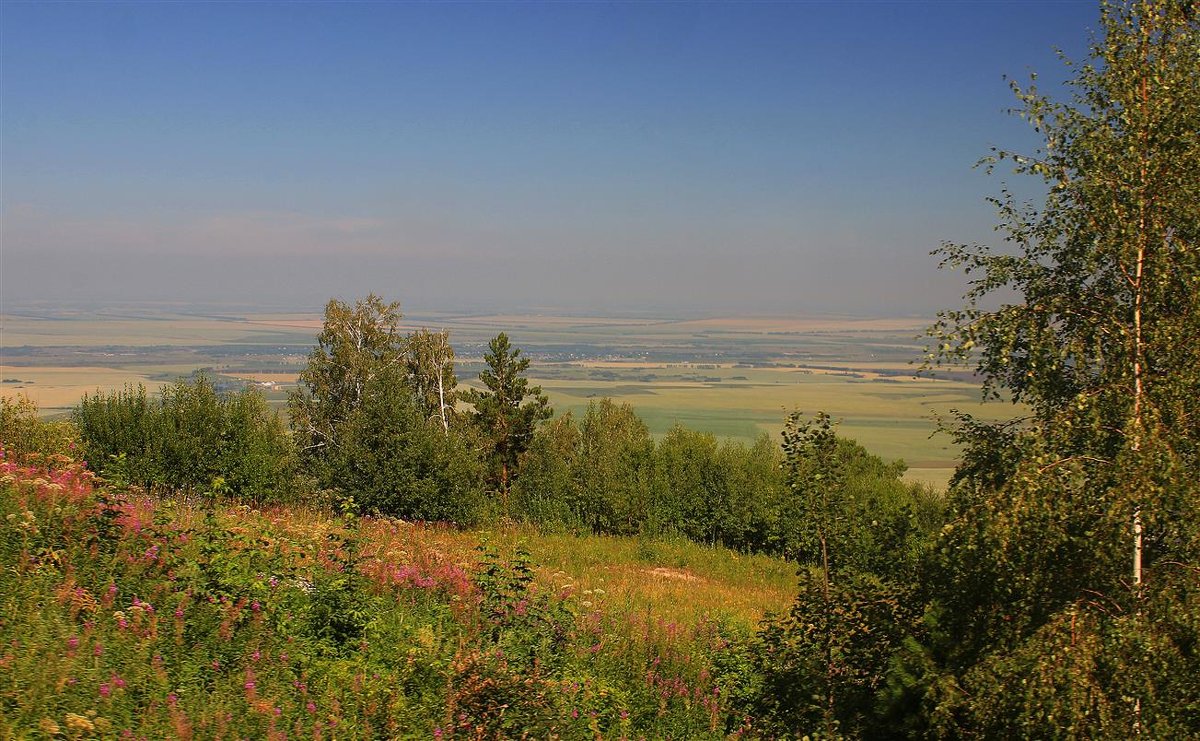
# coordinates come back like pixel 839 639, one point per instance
pixel 734 377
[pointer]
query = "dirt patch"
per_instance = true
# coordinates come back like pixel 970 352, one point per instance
pixel 672 574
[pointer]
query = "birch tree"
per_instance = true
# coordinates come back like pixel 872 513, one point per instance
pixel 430 363
pixel 1090 316
pixel 357 345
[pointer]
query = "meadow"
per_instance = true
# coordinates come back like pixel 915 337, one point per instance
pixel 736 377
pixel 185 618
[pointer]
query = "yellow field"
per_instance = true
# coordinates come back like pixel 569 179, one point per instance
pixel 58 389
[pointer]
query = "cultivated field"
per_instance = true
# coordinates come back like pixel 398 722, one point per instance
pixel 736 377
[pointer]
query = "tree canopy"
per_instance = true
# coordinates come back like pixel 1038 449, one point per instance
pixel 1089 315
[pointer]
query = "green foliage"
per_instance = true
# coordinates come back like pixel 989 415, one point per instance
pixel 851 506
pixel 546 493
pixel 607 475
pixel 391 460
pixel 355 346
pixel 718 494
pixel 190 438
pixel 508 411
pixel 429 362
pixel 614 469
pixel 825 662
pixel 373 415
pixel 25 435
pixel 1069 526
pixel 120 431
pixel 859 533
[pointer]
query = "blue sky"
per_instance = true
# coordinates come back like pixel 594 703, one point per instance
pixel 740 157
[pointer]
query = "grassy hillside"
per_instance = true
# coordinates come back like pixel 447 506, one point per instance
pixel 123 615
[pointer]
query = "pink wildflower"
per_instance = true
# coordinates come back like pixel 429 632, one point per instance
pixel 105 690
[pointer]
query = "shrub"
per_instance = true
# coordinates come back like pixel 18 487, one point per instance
pixel 24 434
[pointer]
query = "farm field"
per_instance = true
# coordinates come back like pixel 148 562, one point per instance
pixel 735 377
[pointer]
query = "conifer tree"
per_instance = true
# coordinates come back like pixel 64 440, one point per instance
pixel 508 411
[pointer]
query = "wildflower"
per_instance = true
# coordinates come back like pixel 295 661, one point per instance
pixel 105 690
pixel 311 707
pixel 73 643
pixel 437 732
pixel 172 699
pixel 79 724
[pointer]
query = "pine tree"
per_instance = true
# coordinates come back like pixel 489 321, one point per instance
pixel 508 411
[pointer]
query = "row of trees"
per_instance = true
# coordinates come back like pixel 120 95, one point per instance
pixel 606 474
pixel 189 437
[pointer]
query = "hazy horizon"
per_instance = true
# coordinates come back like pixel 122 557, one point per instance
pixel 595 158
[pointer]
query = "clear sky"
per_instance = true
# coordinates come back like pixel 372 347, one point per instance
pixel 748 157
